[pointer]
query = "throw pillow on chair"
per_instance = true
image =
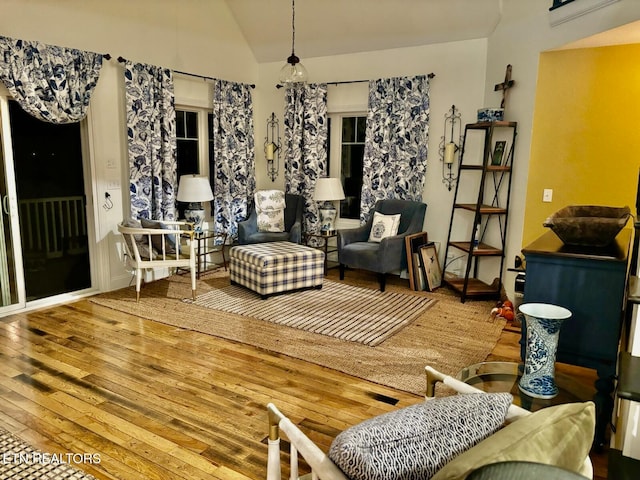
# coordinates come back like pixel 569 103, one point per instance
pixel 384 226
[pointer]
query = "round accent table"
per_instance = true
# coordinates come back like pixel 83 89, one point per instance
pixel 543 322
pixel 504 377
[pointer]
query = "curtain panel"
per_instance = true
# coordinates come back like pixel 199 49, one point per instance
pixel 395 151
pixel 53 84
pixel 305 140
pixel 232 169
pixel 151 139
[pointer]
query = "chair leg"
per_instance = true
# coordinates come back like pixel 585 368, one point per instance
pixel 139 273
pixel 193 283
pixel 342 271
pixel 382 278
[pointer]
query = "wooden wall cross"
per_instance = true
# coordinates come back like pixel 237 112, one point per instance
pixel 504 86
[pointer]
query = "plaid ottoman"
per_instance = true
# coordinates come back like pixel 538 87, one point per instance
pixel 275 267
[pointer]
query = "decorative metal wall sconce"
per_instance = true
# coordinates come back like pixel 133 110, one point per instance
pixel 272 147
pixel 448 146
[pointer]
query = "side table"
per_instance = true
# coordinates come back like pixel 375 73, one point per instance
pixel 208 242
pixel 321 242
pixel 505 377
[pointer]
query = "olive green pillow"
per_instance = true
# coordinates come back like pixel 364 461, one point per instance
pixel 560 435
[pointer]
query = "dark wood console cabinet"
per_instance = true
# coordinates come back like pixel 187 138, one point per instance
pixel 591 282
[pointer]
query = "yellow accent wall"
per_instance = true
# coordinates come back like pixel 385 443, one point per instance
pixel 586 132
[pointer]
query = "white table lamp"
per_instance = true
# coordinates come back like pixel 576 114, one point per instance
pixel 194 190
pixel 328 190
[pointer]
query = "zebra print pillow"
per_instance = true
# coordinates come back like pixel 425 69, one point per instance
pixel 417 441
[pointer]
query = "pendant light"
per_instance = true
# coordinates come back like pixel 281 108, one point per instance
pixel 293 71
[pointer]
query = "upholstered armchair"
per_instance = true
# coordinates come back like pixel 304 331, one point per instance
pixel 248 229
pixel 356 250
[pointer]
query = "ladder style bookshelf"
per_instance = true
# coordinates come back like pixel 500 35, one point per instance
pixel 478 225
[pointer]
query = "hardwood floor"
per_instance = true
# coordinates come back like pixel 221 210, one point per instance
pixel 157 402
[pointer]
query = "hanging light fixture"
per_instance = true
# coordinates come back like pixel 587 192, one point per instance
pixel 293 71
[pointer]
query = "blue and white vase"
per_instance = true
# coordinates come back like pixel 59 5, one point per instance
pixel 543 323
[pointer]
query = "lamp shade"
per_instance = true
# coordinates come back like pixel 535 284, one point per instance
pixel 193 189
pixel 328 189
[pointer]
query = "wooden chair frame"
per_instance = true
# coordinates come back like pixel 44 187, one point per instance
pixel 176 234
pixel 322 467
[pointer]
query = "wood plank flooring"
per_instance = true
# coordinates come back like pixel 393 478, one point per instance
pixel 157 402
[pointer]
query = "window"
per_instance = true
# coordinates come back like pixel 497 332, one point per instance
pixel 194 144
pixel 345 160
pixel 187 142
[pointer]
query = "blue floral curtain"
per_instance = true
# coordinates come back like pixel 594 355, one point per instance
pixel 54 84
pixel 305 140
pixel 151 136
pixel 233 172
pixel 395 151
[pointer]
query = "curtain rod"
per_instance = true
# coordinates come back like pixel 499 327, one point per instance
pixel 252 85
pixel 430 75
pixel 123 60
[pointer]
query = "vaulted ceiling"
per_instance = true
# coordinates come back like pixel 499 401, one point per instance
pixel 333 27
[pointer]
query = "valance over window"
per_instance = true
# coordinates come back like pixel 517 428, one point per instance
pixel 54 84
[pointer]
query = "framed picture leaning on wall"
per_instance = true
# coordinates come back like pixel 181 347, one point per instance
pixel 431 265
pixel 413 242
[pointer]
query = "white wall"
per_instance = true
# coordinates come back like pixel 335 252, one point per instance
pixel 460 71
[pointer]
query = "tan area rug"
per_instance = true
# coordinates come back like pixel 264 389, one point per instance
pixel 342 311
pixel 448 336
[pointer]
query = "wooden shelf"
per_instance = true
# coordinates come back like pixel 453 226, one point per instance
pixel 485 125
pixel 483 209
pixel 493 186
pixel 488 168
pixel 475 287
pixel 483 250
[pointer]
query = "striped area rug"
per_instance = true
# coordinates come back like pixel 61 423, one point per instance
pixel 337 310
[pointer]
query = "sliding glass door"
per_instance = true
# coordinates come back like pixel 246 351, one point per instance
pixel 51 205
pixel 44 234
pixel 12 294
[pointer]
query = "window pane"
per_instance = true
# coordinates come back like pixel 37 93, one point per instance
pixel 361 126
pixel 186 124
pixel 351 180
pixel 192 124
pixel 180 130
pixel 348 129
pixel 187 157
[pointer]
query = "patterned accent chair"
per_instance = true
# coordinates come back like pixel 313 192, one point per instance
pixel 248 229
pixel 389 255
